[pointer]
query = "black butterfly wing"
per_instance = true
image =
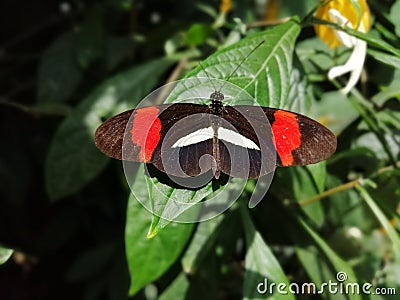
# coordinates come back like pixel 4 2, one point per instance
pixel 299 140
pixel 147 135
pixel 109 136
pixel 296 139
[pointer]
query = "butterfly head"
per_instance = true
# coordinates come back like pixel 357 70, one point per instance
pixel 217 96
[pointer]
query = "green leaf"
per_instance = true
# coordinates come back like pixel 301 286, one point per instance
pixel 183 205
pixel 351 153
pixel 390 118
pixel 288 8
pixel 261 264
pixel 202 241
pixel 305 187
pixel 177 289
pixel 391 232
pixel 197 34
pixel 5 254
pixel 169 203
pixel 126 4
pixel 392 90
pixel 317 269
pixel 73 160
pixel 316 57
pixel 394 16
pixel 59 72
pixel 265 74
pixel 373 143
pixel 318 173
pixel 348 206
pixel 335 111
pixel 388 59
pixel 314 265
pixel 299 98
pixel 338 263
pixel 148 259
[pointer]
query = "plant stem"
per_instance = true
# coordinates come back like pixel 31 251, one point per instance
pixel 346 186
pixel 337 189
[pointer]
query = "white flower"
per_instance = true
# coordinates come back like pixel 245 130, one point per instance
pixel 355 63
pixel 354 14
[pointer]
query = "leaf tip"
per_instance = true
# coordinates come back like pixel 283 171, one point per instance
pixel 152 233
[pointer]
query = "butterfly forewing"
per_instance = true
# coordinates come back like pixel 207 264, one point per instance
pixel 298 139
pixel 109 136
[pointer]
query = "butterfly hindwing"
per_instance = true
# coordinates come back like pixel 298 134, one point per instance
pixel 245 160
pixel 186 147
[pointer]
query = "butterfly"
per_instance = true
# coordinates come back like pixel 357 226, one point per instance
pixel 188 139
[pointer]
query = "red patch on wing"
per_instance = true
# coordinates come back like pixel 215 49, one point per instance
pixel 145 131
pixel 287 135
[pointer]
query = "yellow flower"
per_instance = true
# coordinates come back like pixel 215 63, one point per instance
pixel 225 6
pixel 344 13
pixel 348 11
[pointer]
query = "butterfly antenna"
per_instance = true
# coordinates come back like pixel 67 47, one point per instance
pixel 215 89
pixel 238 66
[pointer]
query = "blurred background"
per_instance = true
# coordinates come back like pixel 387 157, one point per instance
pixel 68 237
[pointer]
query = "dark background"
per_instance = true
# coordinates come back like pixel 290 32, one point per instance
pixel 49 237
pixel 59 245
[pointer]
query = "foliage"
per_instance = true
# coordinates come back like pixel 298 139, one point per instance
pixel 68 209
